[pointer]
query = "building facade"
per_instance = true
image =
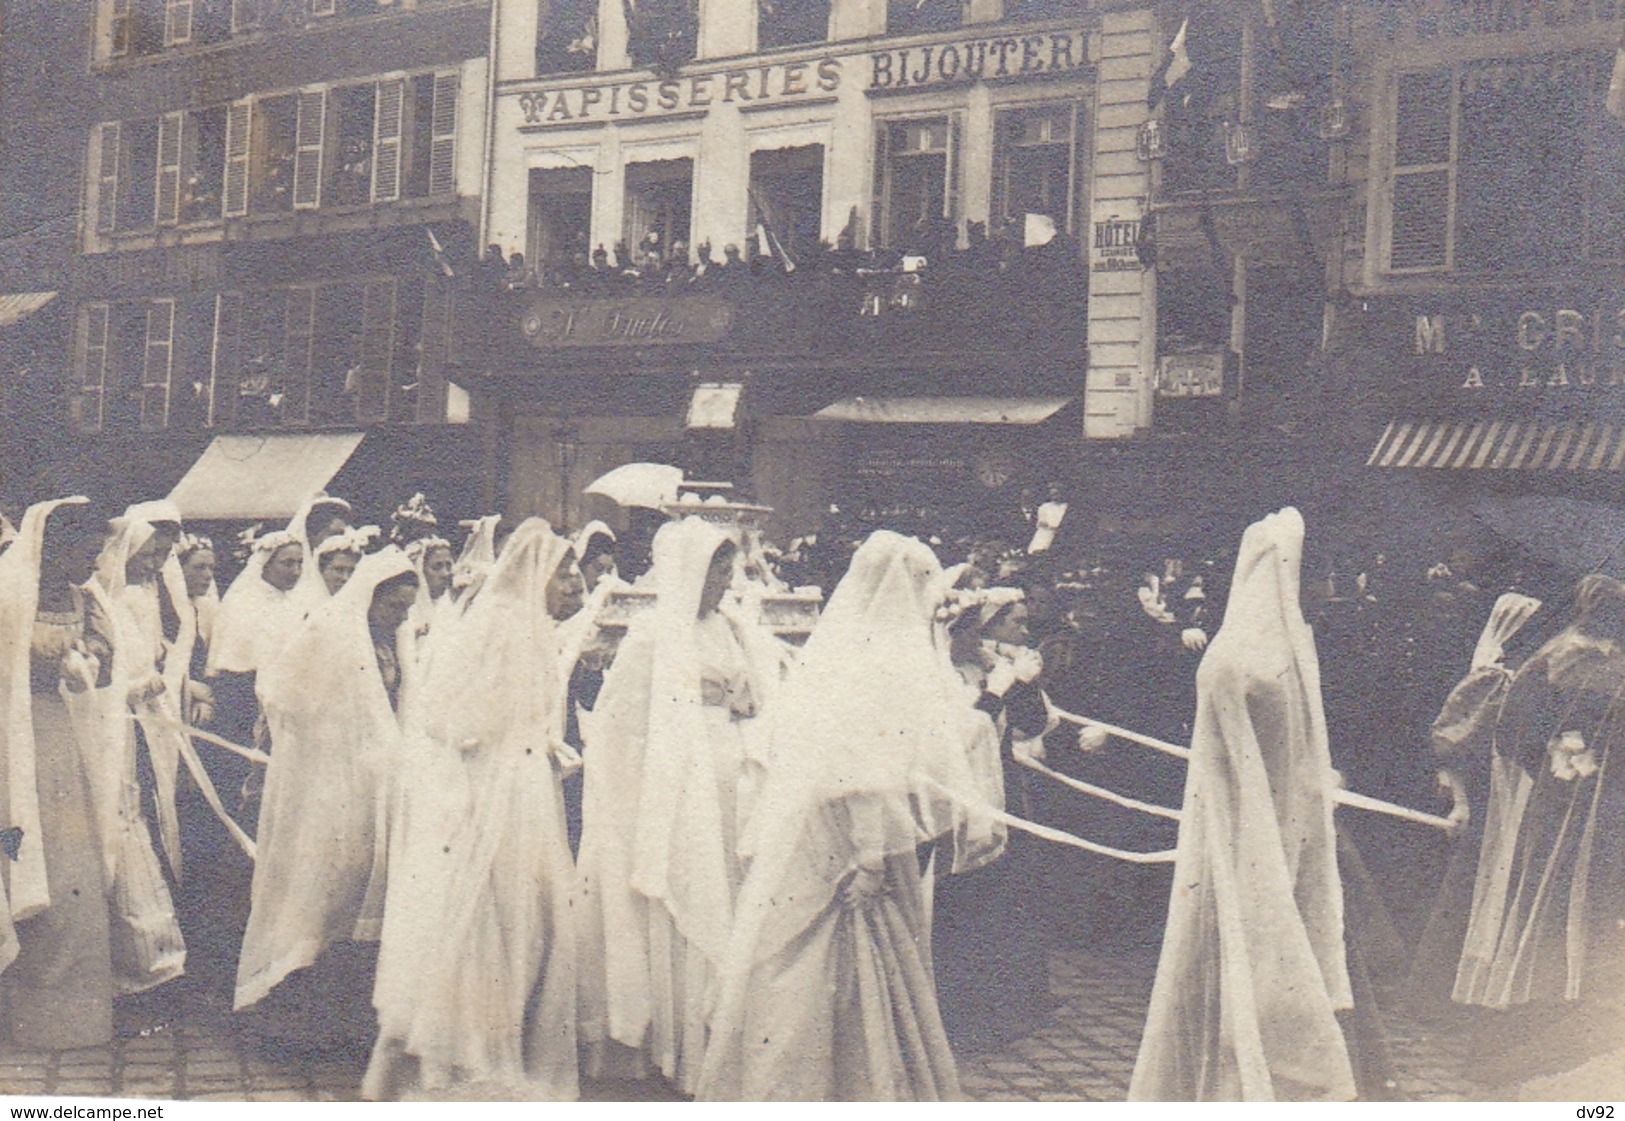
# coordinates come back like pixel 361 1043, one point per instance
pixel 842 252
pixel 274 198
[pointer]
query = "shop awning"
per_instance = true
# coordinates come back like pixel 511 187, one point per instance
pixel 250 477
pixel 17 306
pixel 1502 445
pixel 944 410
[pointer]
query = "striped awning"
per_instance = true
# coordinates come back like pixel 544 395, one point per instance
pixel 1502 445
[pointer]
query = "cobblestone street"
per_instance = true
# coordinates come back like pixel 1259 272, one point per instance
pixel 1084 1053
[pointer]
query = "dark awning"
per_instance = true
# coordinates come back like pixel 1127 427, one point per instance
pixel 1502 445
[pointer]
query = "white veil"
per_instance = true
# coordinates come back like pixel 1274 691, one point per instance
pixel 255 620
pixel 29 892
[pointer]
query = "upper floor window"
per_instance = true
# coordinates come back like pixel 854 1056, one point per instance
pixel 567 37
pixel 133 365
pixel 788 23
pixel 787 199
pixel 916 207
pixel 1038 166
pixel 135 28
pixel 1507 166
pixel 560 223
pixel 350 145
pixel 659 204
pixel 916 17
pixel 1027 11
pixel 662 34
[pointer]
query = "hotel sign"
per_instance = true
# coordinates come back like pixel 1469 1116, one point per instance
pixel 640 321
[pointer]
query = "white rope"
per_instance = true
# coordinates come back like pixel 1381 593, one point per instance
pixel 1100 791
pixel 200 775
pixel 1340 796
pixel 1059 836
pixel 210 738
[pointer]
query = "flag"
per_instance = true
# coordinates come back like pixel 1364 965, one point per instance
pixel 1616 87
pixel 440 256
pixel 1172 69
pixel 1038 229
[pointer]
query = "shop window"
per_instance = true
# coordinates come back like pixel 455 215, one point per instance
pixel 272 154
pixel 659 200
pixel 567 36
pixel 788 23
pixel 917 17
pixel 1490 166
pixel 355 123
pixel 560 223
pixel 916 183
pixel 1038 165
pixel 787 199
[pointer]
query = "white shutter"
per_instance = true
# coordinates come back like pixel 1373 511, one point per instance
pixel 239 124
pixel 171 127
pixel 120 26
pixel 386 140
pixel 307 156
pixel 90 356
pixel 299 333
pixel 443 135
pixel 225 357
pixel 157 365
pixel 109 143
pixel 177 22
pixel 245 15
pixel 377 350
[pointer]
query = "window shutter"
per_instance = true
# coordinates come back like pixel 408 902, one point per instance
pixel 298 339
pixel 120 26
pixel 239 124
pixel 171 126
pixel 377 351
pixel 950 189
pixel 880 206
pixel 307 156
pixel 245 15
pixel 386 140
pixel 1421 196
pixel 443 136
pixel 157 365
pixel 439 306
pixel 107 178
pixel 90 358
pixel 225 359
pixel 177 22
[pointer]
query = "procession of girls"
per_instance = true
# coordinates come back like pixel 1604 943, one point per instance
pixel 420 798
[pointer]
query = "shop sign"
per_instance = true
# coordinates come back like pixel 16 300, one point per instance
pixel 1115 246
pixel 649 321
pixel 997 56
pixel 1539 344
pixel 1191 374
pixel 783 82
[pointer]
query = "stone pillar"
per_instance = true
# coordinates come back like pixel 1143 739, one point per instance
pixel 1120 381
pixel 856 19
pixel 613 52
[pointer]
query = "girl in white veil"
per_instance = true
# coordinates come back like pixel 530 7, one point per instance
pixel 487 1004
pixel 1253 969
pixel 56 975
pixel 329 703
pixel 659 848
pixel 828 991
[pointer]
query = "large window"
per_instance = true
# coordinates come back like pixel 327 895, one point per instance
pixel 567 36
pixel 135 28
pixel 1038 165
pixel 334 147
pixel 126 365
pixel 787 199
pixel 560 223
pixel 788 23
pixel 914 17
pixel 1505 166
pixel 334 352
pixel 916 183
pixel 659 201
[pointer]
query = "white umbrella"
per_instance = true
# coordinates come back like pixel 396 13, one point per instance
pixel 649 485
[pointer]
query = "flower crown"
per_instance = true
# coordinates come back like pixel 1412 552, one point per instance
pixel 419 548
pixel 986 602
pixel 271 542
pixel 412 519
pixel 191 543
pixel 352 540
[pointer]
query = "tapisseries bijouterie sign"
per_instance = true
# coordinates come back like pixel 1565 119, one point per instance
pixel 1540 347
pixel 963 60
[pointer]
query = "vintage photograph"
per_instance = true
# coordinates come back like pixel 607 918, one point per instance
pixel 812 550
